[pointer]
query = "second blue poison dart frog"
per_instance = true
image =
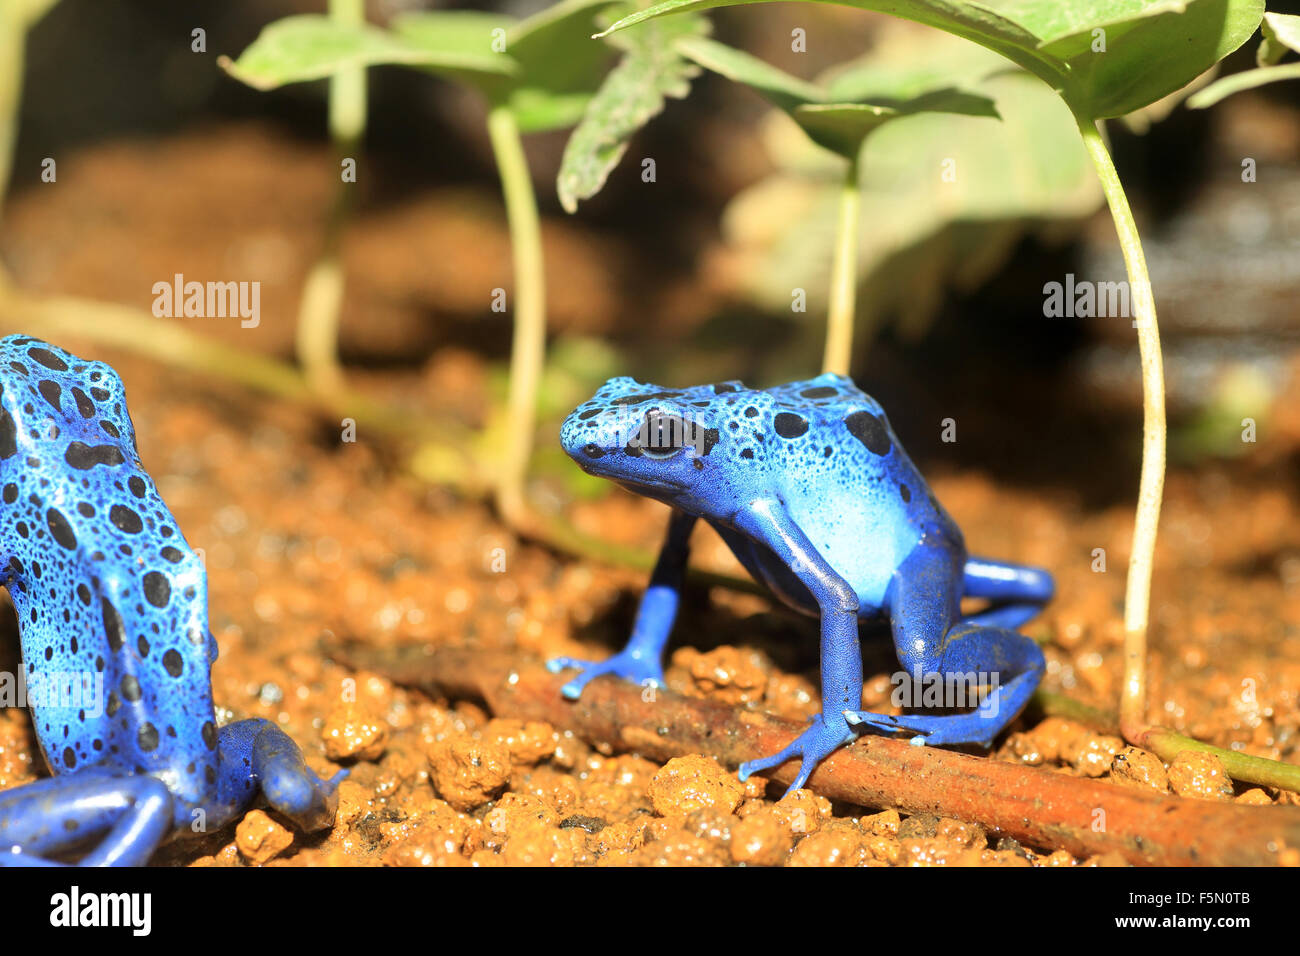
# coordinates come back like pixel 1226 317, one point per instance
pixel 808 485
pixel 116 652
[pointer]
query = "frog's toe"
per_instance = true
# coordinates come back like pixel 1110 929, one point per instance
pixel 629 667
pixel 930 731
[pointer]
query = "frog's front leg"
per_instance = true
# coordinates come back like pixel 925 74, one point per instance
pixel 841 658
pixel 129 815
pixel 256 753
pixel 931 639
pixel 641 661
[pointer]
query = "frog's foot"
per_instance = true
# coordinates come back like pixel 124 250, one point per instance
pixel 973 728
pixel 823 737
pixel 276 764
pixel 631 665
pixel 129 815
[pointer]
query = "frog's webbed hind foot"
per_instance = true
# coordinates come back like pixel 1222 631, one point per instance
pixel 934 731
pixel 258 753
pixel 123 818
pixel 982 725
pixel 823 737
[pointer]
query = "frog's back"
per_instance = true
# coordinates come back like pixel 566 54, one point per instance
pixel 111 600
pixel 848 483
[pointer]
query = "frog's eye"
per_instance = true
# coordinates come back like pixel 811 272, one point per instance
pixel 660 436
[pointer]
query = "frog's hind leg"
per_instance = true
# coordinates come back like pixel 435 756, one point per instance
pixel 1016 592
pixel 256 753
pixel 641 661
pixel 953 657
pixel 130 815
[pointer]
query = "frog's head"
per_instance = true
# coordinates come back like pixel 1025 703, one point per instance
pixel 681 446
pixel 111 601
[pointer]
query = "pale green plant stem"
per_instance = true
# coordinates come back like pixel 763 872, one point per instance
pixel 528 348
pixel 13 38
pixel 844 276
pixel 1137 598
pixel 1133 724
pixel 319 311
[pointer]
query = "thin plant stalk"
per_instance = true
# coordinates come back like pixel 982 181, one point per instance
pixel 13 40
pixel 317 330
pixel 528 348
pixel 1137 598
pixel 844 276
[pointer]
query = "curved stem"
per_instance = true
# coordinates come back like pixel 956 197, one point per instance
pixel 528 348
pixel 1137 598
pixel 844 277
pixel 317 331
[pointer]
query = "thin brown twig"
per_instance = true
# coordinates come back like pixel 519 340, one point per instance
pixel 1034 806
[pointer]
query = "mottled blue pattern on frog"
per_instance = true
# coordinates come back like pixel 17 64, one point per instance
pixel 809 486
pixel 112 601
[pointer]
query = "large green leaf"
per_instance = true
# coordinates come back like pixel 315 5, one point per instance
pixel 312 47
pixel 1151 49
pixel 558 65
pixel 857 100
pixel 1281 36
pixel 651 71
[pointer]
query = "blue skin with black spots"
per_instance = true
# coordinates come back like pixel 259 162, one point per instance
pixel 810 488
pixel 112 610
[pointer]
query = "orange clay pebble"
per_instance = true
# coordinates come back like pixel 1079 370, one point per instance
pixel 884 823
pixel 15 754
pixel 540 844
pixel 966 835
pixel 351 732
pixel 260 838
pixel 1022 748
pixel 354 801
pixel 762 838
pixel 668 844
pixel 441 831
pixel 1054 737
pixel 1255 797
pixel 516 810
pixel 686 784
pixel 468 772
pixel 413 853
pixel 1092 754
pixel 1138 768
pixel 731 675
pixel 836 844
pixel 529 742
pixel 1057 858
pixel 803 811
pixel 1200 775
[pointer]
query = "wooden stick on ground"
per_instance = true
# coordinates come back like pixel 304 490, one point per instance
pixel 1037 807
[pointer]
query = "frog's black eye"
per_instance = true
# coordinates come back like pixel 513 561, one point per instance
pixel 660 436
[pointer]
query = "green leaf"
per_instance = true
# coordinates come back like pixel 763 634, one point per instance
pixel 1281 33
pixel 1151 49
pixel 634 92
pixel 559 67
pixel 312 47
pixel 858 99
pixel 777 86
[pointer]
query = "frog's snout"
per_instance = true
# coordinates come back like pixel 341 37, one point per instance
pixel 586 435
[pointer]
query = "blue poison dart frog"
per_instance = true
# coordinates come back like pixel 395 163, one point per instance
pixel 810 488
pixel 116 651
